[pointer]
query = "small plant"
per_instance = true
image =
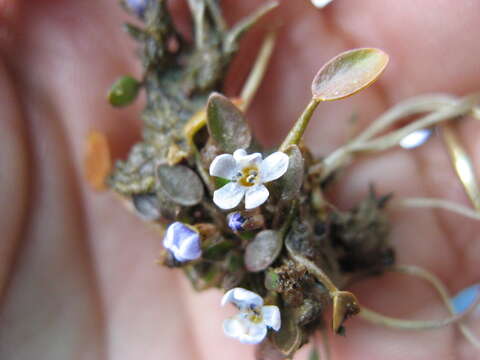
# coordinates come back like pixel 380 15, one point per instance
pixel 251 221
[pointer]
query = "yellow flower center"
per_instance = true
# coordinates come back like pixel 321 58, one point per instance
pixel 248 176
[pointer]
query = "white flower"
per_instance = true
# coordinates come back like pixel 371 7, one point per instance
pixel 183 242
pixel 249 326
pixel 320 3
pixel 416 138
pixel 247 173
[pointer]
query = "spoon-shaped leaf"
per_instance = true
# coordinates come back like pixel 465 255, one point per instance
pixel 226 124
pixel 263 250
pixel 348 73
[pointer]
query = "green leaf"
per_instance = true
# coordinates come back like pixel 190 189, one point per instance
pixel 226 124
pixel 348 73
pixel 263 250
pixel 180 184
pixel 123 91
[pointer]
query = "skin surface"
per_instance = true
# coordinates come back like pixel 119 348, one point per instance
pixel 77 272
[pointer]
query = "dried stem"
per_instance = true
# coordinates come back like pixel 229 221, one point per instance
pixel 257 72
pixel 438 204
pixel 462 164
pixel 395 323
pixel 363 143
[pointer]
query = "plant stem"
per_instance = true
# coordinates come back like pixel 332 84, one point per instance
pixel 438 204
pixel 425 325
pixel 296 133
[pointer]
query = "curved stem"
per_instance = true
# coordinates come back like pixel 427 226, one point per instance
pixel 296 133
pixel 438 204
pixel 425 325
pixel 342 155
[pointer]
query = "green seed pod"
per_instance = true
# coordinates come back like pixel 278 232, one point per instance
pixel 123 91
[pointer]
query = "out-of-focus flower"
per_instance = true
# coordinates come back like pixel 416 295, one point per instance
pixel 415 138
pixel 137 6
pixel 247 173
pixel 249 326
pixel 466 298
pixel 320 3
pixel 183 241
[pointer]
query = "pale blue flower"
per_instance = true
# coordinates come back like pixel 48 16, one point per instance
pixel 247 173
pixel 183 241
pixel 235 221
pixel 137 6
pixel 249 326
pixel 466 298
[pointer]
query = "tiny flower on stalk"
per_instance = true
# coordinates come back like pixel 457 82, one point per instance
pixel 249 326
pixel 183 242
pixel 247 173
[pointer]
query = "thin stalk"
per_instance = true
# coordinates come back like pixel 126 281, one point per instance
pixel 344 154
pixel 425 325
pixel 296 133
pixel 462 164
pixel 315 271
pixel 437 204
pixel 257 73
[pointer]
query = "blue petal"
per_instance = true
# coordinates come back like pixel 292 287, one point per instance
pixel 236 221
pixel 137 6
pixel 465 298
pixel 183 242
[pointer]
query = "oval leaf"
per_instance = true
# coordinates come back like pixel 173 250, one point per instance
pixel 180 184
pixel 226 124
pixel 147 205
pixel 123 91
pixel 292 181
pixel 263 250
pixel 348 73
pixel 289 338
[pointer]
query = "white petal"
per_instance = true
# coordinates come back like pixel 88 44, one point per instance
pixel 243 159
pixel 256 196
pixel 415 138
pixel 228 196
pixel 274 166
pixel 271 317
pixel 238 154
pixel 224 166
pixel 321 3
pixel 244 330
pixel 242 298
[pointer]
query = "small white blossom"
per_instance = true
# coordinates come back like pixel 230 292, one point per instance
pixel 183 242
pixel 415 138
pixel 320 3
pixel 247 173
pixel 249 326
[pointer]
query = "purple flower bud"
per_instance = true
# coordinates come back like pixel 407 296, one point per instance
pixel 236 221
pixel 137 6
pixel 183 242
